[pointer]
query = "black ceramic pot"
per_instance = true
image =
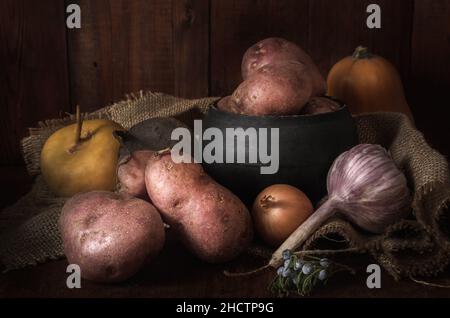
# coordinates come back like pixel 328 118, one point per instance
pixel 308 145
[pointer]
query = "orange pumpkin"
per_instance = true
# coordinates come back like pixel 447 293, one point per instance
pixel 367 83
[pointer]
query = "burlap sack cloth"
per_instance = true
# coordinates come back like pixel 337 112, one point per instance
pixel 417 246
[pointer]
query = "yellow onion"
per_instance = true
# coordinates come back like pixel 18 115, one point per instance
pixel 278 210
pixel 366 187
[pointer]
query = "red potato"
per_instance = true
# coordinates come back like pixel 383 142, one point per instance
pixel 222 104
pixel 227 105
pixel 209 220
pixel 273 50
pixel 320 105
pixel 110 236
pixel 131 173
pixel 275 89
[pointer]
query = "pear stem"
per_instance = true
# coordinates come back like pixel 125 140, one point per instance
pixel 79 125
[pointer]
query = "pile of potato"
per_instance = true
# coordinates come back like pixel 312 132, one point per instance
pixel 111 235
pixel 279 79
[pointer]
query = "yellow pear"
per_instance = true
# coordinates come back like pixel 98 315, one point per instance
pixel 81 157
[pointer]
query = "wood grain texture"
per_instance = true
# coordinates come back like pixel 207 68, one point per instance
pixel 191 47
pixel 430 71
pixel 33 69
pixel 236 25
pixel 127 46
pixel 122 47
pixel 337 28
pixel 176 273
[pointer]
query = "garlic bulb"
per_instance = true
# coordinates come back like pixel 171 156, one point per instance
pixel 366 187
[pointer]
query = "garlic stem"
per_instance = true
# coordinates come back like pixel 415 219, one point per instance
pixel 304 231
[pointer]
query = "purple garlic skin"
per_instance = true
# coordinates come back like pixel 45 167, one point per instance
pixel 368 188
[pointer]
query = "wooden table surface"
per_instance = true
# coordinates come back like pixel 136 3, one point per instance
pixel 176 273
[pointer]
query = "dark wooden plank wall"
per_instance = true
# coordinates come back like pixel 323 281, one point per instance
pixel 125 46
pixel 33 80
pixel 33 69
pixel 430 71
pixel 193 48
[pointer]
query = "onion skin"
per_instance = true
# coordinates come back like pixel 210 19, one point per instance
pixel 278 210
pixel 366 187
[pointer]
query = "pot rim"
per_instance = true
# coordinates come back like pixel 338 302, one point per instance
pixel 343 108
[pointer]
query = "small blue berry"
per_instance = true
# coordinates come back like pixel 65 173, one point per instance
pixel 298 264
pixel 306 269
pixel 322 274
pixel 286 272
pixel 287 254
pixel 280 270
pixel 296 280
pixel 287 263
pixel 324 262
